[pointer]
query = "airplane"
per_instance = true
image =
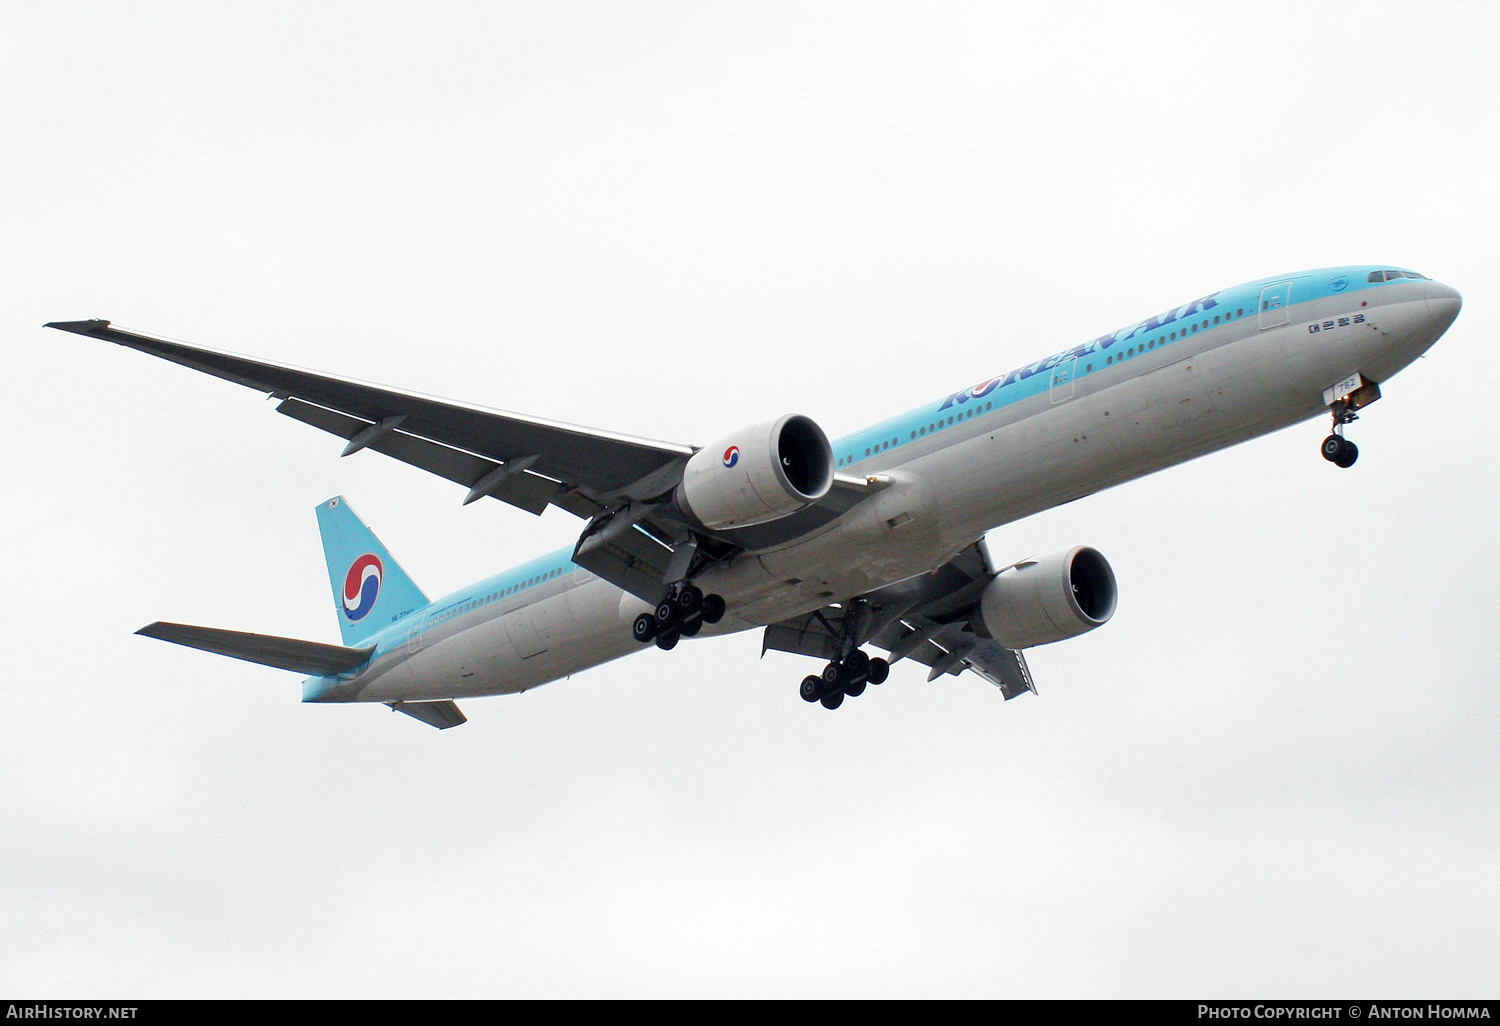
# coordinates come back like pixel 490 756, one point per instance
pixel 874 540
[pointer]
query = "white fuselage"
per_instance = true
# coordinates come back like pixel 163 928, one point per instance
pixel 1104 418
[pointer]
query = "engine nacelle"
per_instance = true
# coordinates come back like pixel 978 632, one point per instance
pixel 1048 599
pixel 758 474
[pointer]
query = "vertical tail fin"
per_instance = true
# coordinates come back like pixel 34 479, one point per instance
pixel 370 590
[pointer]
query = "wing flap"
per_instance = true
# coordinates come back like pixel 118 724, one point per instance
pixel 310 657
pixel 1003 667
pixel 924 619
pixel 525 490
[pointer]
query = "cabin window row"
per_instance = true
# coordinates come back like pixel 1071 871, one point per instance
pixel 934 426
pixel 1130 352
pixel 939 424
pixel 1162 340
pixel 468 606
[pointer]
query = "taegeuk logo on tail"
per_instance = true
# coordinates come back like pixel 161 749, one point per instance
pixel 362 586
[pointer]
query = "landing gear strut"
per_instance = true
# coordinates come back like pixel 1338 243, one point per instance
pixel 1337 449
pixel 681 614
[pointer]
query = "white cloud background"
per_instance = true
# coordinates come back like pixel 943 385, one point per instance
pixel 1274 773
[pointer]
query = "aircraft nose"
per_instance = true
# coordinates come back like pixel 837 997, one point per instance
pixel 1443 304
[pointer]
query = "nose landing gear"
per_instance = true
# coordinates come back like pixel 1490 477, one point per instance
pixel 681 614
pixel 1337 449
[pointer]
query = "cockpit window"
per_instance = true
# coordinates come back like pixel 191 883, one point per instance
pixel 1392 275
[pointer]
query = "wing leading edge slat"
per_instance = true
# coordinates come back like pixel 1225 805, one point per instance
pixel 525 490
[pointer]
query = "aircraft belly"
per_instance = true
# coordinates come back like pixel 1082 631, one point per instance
pixel 597 635
pixel 754 593
pixel 521 628
pixel 564 633
pixel 890 536
pixel 545 638
pixel 474 661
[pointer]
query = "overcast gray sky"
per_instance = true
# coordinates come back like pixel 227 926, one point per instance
pixel 1273 773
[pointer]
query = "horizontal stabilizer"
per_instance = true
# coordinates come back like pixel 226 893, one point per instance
pixel 441 715
pixel 309 657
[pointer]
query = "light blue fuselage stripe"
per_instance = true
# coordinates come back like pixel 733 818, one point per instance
pixel 1033 379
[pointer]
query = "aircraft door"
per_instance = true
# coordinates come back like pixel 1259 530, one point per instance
pixel 1274 303
pixel 1062 380
pixel 414 636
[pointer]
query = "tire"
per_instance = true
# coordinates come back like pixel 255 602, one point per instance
pixel 1333 446
pixel 833 675
pixel 811 689
pixel 689 601
pixel 855 689
pixel 666 614
pixel 1348 456
pixel 690 626
pixel 857 664
pixel 879 670
pixel 644 628
pixel 832 700
pixel 667 640
pixel 713 608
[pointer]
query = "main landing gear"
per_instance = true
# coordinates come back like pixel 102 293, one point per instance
pixel 844 677
pixel 1337 449
pixel 681 614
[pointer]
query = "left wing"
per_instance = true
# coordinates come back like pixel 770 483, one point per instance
pixel 925 618
pixel 526 461
pixel 620 483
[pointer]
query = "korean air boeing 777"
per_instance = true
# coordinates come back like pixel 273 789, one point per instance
pixel 876 539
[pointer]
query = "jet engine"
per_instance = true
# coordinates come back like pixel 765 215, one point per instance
pixel 1047 599
pixel 758 474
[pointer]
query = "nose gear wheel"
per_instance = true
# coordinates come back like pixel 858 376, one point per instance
pixel 1337 449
